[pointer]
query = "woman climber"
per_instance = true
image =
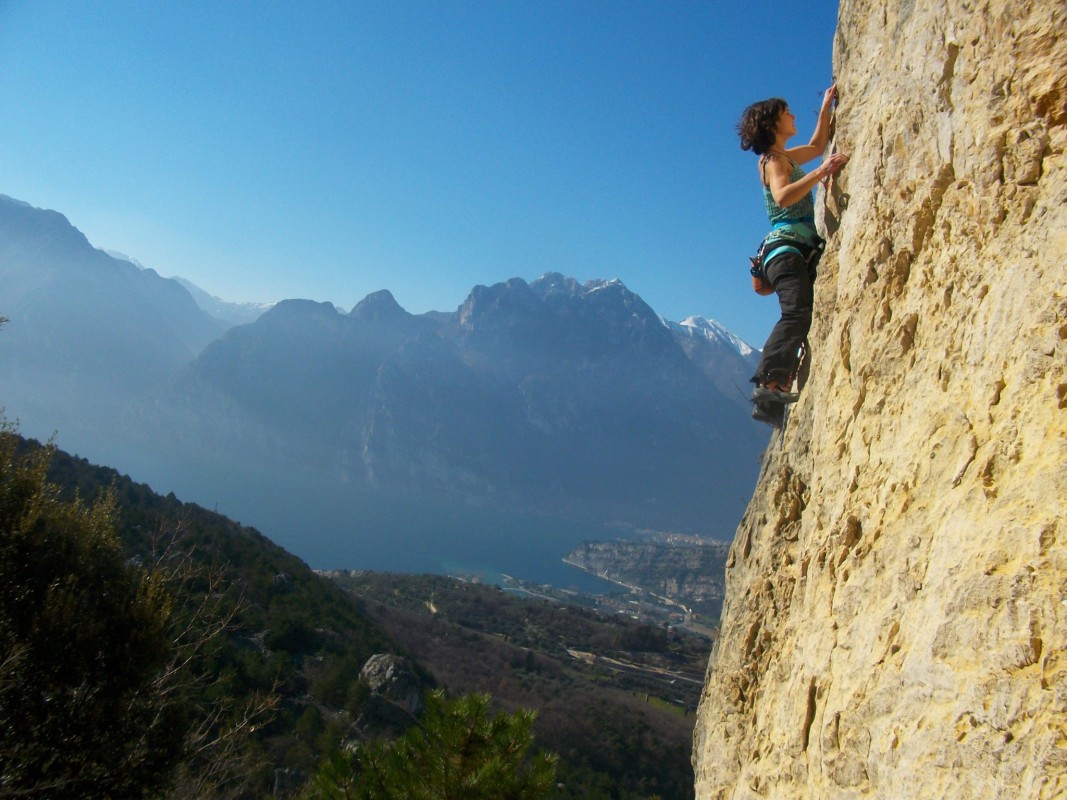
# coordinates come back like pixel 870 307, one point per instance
pixel 790 251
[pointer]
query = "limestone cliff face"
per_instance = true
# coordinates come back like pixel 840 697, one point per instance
pixel 896 616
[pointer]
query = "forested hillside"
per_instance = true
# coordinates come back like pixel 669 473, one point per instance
pixel 614 697
pixel 264 676
pixel 234 671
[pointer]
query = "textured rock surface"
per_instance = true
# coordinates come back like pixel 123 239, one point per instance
pixel 395 700
pixel 896 616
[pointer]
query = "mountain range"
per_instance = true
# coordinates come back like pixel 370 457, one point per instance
pixel 557 400
pixel 85 329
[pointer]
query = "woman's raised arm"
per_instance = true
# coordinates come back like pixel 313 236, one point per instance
pixel 815 148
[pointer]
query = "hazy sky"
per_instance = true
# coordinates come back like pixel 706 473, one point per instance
pixel 269 150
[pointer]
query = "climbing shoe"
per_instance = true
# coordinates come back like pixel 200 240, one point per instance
pixel 772 415
pixel 761 394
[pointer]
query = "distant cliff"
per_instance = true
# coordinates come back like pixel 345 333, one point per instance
pixel 687 573
pixel 895 623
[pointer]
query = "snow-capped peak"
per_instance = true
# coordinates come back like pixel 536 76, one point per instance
pixel 124 257
pixel 599 283
pixel 712 331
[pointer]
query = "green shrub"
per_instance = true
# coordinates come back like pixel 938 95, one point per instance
pixel 456 752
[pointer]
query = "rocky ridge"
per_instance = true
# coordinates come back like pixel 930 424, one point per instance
pixel 548 397
pixel 895 624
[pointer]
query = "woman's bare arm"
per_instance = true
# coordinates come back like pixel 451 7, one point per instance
pixel 813 149
pixel 778 170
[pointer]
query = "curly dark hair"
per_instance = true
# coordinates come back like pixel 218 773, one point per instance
pixel 759 124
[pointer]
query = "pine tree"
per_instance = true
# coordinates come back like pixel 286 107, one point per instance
pixel 455 752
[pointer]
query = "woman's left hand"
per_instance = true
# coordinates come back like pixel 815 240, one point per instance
pixel 831 166
pixel 830 96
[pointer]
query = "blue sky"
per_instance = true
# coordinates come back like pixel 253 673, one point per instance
pixel 325 150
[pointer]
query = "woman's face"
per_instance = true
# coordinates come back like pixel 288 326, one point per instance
pixel 787 123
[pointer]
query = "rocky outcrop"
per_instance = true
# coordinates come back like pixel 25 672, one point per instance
pixel 895 623
pixel 393 677
pixel 395 699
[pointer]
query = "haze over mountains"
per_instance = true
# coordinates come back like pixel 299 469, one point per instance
pixel 86 330
pixel 533 410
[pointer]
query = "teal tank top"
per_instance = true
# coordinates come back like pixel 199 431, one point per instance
pixel 790 224
pixel 801 211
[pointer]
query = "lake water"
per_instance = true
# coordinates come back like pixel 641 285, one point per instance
pixel 332 526
pixel 451 541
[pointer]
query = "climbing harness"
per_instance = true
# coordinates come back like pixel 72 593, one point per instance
pixel 785 238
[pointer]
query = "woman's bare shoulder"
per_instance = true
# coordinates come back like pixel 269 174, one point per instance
pixel 774 164
pixel 802 154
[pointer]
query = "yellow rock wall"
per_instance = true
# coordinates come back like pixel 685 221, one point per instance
pixel 896 615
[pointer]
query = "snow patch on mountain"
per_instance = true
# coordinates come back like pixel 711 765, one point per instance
pixel 711 331
pixel 124 257
pixel 224 310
